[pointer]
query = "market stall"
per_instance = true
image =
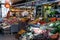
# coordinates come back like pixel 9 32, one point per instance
pixel 36 31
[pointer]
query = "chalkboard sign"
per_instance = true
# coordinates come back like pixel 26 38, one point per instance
pixel 38 11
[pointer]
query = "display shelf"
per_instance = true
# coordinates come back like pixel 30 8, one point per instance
pixel 36 3
pixel 50 2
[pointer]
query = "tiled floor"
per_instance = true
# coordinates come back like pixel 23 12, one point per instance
pixel 7 37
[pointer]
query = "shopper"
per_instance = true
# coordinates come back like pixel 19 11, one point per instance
pixel 22 26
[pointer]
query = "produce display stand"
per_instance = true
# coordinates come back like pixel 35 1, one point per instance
pixel 40 29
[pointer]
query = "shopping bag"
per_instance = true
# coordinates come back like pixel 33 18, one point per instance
pixel 21 31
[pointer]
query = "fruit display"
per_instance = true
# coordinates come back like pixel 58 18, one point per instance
pixel 11 20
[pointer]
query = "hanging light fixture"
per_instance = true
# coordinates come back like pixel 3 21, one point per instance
pixel 7 5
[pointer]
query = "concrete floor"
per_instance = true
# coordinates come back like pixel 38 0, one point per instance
pixel 7 37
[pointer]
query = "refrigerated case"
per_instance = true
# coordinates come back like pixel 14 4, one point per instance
pixel 1 13
pixel 52 10
pixel 48 9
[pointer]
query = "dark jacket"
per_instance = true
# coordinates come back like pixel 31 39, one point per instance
pixel 22 25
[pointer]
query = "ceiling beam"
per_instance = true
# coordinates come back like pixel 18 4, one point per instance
pixel 19 2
